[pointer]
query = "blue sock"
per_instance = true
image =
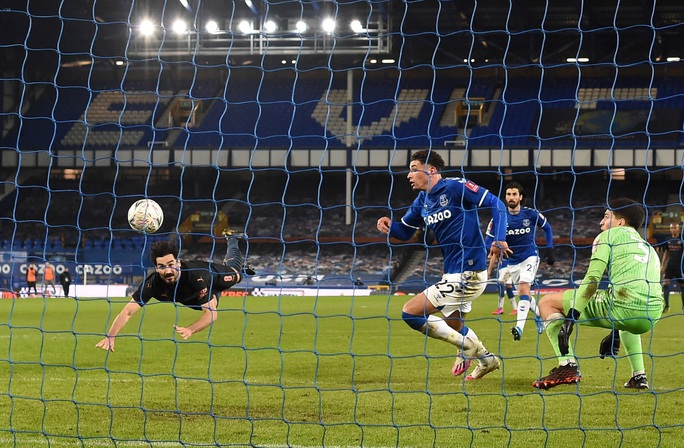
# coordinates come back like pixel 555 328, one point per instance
pixel 464 330
pixel 509 292
pixel 415 322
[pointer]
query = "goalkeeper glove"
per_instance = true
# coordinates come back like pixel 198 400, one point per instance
pixel 566 330
pixel 610 345
pixel 550 258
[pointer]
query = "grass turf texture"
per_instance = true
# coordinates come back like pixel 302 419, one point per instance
pixel 332 371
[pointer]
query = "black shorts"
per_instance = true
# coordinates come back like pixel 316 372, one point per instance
pixel 674 273
pixel 224 279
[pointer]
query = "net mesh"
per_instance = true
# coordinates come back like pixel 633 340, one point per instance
pixel 249 116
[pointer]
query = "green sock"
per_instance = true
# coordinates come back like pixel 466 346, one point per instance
pixel 552 330
pixel 632 344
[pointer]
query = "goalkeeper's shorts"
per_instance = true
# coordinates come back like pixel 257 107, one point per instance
pixel 602 311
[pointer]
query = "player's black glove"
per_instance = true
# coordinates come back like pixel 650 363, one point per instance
pixel 566 330
pixel 247 269
pixel 610 345
pixel 550 258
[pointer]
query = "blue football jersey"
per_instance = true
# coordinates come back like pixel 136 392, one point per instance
pixel 521 234
pixel 450 211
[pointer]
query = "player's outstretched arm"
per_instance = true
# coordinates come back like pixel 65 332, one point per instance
pixel 384 225
pixel 399 229
pixel 120 321
pixel 207 318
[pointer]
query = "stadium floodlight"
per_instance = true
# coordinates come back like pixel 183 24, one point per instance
pixel 146 27
pixel 328 25
pixel 186 5
pixel 211 27
pixel 356 26
pixel 270 26
pixel 388 61
pixel 301 26
pixel 179 26
pixel 577 59
pixel 245 27
pixel 672 59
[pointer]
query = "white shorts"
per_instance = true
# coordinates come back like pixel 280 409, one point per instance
pixel 457 291
pixel 525 271
pixel 505 275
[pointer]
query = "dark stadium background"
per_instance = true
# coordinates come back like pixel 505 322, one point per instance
pixel 58 60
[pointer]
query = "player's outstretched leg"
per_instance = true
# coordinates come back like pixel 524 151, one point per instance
pixel 234 257
pixel 470 346
pixel 461 365
pixel 233 233
pixel 488 362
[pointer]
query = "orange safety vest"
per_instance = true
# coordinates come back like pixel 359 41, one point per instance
pixel 31 275
pixel 49 273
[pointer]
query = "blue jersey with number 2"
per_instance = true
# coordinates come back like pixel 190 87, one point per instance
pixel 521 234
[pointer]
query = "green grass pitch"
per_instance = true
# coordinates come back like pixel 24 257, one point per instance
pixel 328 371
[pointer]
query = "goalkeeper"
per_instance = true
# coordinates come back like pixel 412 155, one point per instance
pixel 449 206
pixel 195 284
pixel 630 306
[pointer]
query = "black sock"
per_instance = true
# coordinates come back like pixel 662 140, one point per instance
pixel 234 257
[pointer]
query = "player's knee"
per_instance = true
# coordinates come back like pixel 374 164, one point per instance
pixel 418 323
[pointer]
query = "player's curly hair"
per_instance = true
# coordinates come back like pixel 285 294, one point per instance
pixel 162 248
pixel 429 157
pixel 631 211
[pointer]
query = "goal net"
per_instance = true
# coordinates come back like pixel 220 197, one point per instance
pixel 294 123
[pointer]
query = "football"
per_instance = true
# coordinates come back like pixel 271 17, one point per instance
pixel 145 216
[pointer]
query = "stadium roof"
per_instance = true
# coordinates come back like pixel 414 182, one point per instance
pixel 442 34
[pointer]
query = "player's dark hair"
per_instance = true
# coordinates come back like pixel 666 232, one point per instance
pixel 631 211
pixel 517 186
pixel 429 157
pixel 161 249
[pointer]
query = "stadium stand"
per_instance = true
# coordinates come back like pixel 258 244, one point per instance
pixel 248 112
